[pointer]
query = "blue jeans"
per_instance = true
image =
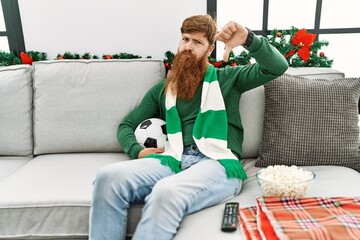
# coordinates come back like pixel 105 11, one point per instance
pixel 168 197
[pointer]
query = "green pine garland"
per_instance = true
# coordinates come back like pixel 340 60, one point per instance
pixel 7 59
pixel 280 39
pixel 234 60
pixel 242 58
pixel 37 56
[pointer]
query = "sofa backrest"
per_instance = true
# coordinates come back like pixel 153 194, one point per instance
pixel 16 111
pixel 78 104
pixel 252 107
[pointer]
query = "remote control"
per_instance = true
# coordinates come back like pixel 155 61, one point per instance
pixel 230 218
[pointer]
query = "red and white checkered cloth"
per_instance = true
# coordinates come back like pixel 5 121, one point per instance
pixel 248 223
pixel 302 218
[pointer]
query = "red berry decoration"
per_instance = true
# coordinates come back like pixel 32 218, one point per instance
pixel 278 34
pixel 322 54
pixel 107 57
pixel 167 65
pixel 217 64
pixel 233 64
pixel 60 57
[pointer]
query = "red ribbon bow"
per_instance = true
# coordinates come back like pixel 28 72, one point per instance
pixel 26 59
pixel 303 40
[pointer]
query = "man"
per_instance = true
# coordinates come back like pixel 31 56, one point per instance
pixel 199 166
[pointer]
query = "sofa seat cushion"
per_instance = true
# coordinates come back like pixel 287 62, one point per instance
pixel 9 165
pixel 330 181
pixel 16 111
pixel 50 196
pixel 54 197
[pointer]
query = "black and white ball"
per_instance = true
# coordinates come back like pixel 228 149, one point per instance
pixel 151 133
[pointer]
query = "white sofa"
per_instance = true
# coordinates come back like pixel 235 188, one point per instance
pixel 58 125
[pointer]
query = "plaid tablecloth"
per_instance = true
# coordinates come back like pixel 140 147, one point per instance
pixel 248 223
pixel 302 218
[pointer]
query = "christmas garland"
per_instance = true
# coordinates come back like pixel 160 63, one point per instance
pixel 299 47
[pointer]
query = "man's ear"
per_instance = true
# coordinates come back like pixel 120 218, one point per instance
pixel 211 48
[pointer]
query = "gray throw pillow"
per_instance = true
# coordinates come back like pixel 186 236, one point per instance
pixel 311 122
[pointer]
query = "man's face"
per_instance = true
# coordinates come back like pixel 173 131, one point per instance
pixel 196 43
pixel 189 65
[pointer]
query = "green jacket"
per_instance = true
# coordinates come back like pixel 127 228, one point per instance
pixel 233 81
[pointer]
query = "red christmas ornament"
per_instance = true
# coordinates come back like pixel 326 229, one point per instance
pixel 60 57
pixel 322 54
pixel 107 57
pixel 167 65
pixel 26 59
pixel 217 64
pixel 278 34
pixel 303 40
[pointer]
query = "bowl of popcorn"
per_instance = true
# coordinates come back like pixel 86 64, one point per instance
pixel 285 181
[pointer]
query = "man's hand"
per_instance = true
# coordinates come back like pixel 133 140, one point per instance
pixel 233 35
pixel 148 151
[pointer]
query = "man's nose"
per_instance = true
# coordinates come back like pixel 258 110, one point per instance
pixel 189 46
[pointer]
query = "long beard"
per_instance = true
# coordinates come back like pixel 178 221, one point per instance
pixel 186 75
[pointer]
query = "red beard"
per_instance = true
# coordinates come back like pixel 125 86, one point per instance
pixel 186 75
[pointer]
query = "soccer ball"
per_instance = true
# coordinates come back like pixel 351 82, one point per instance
pixel 151 133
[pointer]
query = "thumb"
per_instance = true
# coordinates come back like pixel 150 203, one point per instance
pixel 159 150
pixel 226 53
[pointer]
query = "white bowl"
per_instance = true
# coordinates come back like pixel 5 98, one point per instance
pixel 285 183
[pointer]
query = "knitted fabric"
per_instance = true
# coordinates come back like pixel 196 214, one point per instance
pixel 209 133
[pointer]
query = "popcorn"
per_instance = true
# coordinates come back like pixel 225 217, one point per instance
pixel 284 181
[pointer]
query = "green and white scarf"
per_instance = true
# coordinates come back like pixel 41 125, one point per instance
pixel 209 133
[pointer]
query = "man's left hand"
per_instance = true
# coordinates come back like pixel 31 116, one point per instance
pixel 233 35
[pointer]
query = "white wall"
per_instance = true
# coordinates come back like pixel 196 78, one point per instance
pixel 150 28
pixel 145 28
pixel 342 47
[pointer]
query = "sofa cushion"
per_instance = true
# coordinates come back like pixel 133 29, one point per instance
pixel 311 122
pixel 207 222
pixel 359 125
pixel 16 111
pixel 252 105
pixel 50 196
pixel 9 165
pixel 315 72
pixel 78 104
